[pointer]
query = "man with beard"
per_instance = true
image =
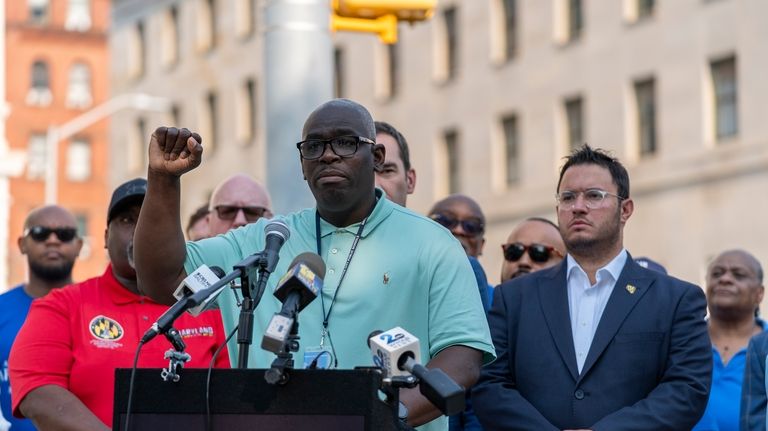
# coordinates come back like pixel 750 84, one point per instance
pixel 51 244
pixel 63 362
pixel 596 342
pixel 386 265
pixel 534 244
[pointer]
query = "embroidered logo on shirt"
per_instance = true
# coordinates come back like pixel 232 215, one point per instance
pixel 200 331
pixel 104 328
pixel 386 278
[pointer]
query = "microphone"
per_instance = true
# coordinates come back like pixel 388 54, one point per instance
pixel 397 352
pixel 202 278
pixel 193 285
pixel 276 234
pixel 296 289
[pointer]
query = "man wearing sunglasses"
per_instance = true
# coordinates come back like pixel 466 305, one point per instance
pixel 595 342
pixel 463 217
pixel 534 244
pixel 237 201
pixel 386 265
pixel 51 245
pixel 63 362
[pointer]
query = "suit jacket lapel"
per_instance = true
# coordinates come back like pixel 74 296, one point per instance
pixel 629 288
pixel 553 297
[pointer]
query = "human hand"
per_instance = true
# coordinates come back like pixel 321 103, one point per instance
pixel 174 151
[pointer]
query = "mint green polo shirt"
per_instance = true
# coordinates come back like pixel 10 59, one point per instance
pixel 407 271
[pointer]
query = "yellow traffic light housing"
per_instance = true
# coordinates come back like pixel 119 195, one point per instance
pixel 379 16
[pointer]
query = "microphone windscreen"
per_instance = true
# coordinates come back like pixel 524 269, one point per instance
pixel 279 228
pixel 218 271
pixel 312 260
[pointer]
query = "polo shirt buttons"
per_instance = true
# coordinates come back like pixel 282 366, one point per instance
pixel 331 271
pixel 145 317
pixel 334 250
pixel 579 394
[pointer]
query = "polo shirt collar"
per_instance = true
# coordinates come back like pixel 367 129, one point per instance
pixel 381 211
pixel 118 293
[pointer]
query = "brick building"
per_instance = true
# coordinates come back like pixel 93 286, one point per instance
pixel 56 70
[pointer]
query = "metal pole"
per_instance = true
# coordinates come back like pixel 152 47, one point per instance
pixel 55 134
pixel 298 73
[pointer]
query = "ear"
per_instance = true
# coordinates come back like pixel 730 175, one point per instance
pixel 627 208
pixel 410 180
pixel 79 246
pixel 379 154
pixel 22 245
pixel 482 246
pixel 106 236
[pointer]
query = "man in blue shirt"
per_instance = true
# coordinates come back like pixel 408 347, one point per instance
pixel 51 244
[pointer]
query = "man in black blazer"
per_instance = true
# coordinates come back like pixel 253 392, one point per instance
pixel 596 342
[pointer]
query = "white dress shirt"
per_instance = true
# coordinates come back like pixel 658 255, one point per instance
pixel 587 301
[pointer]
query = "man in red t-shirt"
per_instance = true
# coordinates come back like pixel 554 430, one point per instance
pixel 63 362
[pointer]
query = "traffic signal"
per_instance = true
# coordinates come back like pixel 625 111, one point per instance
pixel 379 16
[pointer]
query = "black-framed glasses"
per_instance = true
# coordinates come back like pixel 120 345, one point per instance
pixel 593 198
pixel 539 253
pixel 342 146
pixel 229 212
pixel 41 233
pixel 471 227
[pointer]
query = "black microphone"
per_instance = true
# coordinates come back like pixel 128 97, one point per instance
pixel 194 287
pixel 277 233
pixel 296 289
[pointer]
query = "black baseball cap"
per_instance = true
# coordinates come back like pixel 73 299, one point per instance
pixel 129 192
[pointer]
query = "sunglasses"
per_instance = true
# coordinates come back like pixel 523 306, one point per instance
pixel 41 233
pixel 229 212
pixel 471 227
pixel 537 252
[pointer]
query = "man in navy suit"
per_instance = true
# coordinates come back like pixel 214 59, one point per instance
pixel 596 342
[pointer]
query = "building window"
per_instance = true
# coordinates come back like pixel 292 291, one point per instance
pixel 246 17
pixel 82 230
pixel 451 42
pixel 211 102
pixel 79 89
pixel 393 51
pixel 40 91
pixel 386 68
pixel 170 37
pixel 575 19
pixel 78 15
pixel 206 25
pixel 137 51
pixel 39 11
pixel 510 28
pixel 37 157
pixel 452 169
pixel 79 160
pixel 725 90
pixel 511 148
pixel 137 147
pixel 338 72
pixel 645 98
pixel 574 115
pixel 176 115
pixel 246 124
pixel 645 8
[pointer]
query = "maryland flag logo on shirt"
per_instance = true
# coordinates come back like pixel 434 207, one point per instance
pixel 104 328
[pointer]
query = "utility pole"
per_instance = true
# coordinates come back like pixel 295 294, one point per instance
pixel 298 74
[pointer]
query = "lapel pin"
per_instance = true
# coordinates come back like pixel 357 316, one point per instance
pixel 386 278
pixel 631 289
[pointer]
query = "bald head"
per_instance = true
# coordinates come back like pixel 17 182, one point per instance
pixel 539 238
pixel 237 201
pixel 464 218
pixel 51 244
pixel 340 114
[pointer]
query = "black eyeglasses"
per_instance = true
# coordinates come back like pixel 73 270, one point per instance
pixel 537 252
pixel 342 146
pixel 41 233
pixel 471 227
pixel 229 212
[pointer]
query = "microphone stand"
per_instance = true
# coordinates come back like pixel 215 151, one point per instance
pixel 177 357
pixel 253 267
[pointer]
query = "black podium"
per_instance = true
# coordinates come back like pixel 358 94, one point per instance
pixel 318 400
